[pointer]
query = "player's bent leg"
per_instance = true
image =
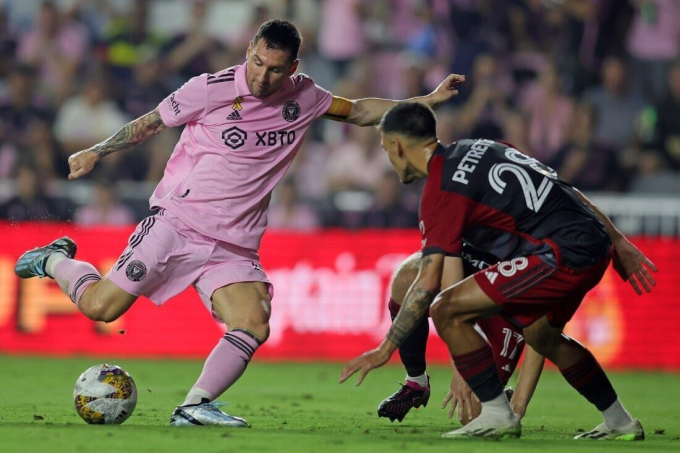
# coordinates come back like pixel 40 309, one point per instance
pixel 245 308
pixel 104 301
pixel 415 392
pixel 99 300
pixel 583 372
pixel 454 312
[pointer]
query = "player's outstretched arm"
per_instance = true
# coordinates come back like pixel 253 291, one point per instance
pixel 369 111
pixel 416 305
pixel 629 262
pixel 531 370
pixel 133 133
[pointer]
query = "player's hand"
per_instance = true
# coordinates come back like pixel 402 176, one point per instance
pixel 81 163
pixel 632 265
pixel 460 395
pixel 447 89
pixel 375 358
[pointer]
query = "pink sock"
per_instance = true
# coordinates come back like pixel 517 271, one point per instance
pixel 224 366
pixel 74 277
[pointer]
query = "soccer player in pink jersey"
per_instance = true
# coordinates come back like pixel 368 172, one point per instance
pixel 244 126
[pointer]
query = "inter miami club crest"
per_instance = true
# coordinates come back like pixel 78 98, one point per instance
pixel 135 271
pixel 291 111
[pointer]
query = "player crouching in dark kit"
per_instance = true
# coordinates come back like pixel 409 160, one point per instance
pixel 505 339
pixel 553 245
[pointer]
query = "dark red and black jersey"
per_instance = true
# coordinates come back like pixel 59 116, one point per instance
pixel 505 203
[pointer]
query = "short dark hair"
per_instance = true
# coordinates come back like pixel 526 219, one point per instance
pixel 281 35
pixel 412 119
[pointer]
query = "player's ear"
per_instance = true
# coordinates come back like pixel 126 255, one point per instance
pixel 399 147
pixel 293 67
pixel 249 50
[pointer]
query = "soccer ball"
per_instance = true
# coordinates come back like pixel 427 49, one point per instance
pixel 105 395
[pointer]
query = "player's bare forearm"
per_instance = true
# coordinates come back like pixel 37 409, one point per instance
pixel 133 133
pixel 612 231
pixel 532 367
pixel 369 111
pixel 417 301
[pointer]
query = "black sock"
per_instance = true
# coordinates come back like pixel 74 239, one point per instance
pixel 412 350
pixel 588 378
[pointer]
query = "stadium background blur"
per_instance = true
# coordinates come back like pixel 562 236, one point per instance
pixel 591 87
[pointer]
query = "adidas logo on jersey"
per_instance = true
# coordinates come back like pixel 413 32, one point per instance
pixel 491 276
pixel 234 116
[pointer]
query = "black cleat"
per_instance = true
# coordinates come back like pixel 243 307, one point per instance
pixel 32 263
pixel 410 395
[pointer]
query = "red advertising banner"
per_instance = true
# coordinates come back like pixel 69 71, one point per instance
pixel 330 303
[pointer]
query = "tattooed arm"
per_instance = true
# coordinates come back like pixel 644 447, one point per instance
pixel 131 134
pixel 417 301
pixel 416 305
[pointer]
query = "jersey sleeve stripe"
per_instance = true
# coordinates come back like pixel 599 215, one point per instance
pixel 220 81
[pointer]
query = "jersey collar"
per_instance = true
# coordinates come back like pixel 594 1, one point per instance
pixel 240 81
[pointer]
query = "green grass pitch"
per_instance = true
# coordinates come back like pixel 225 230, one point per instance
pixel 302 408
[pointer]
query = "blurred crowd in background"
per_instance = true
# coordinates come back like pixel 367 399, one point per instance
pixel 589 87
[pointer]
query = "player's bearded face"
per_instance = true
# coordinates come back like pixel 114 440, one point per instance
pixel 267 69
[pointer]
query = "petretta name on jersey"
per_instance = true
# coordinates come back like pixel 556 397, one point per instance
pixel 469 162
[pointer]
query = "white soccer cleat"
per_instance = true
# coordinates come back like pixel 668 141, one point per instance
pixel 488 426
pixel 632 431
pixel 203 414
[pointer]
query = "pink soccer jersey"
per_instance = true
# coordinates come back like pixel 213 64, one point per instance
pixel 233 151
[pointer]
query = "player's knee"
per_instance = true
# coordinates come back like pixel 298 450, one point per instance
pixel 258 327
pixel 403 277
pixel 102 310
pixel 447 310
pixel 99 306
pixel 442 313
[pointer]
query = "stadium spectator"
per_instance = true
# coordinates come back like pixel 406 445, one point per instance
pixel 21 108
pixel 57 48
pixel 550 113
pixel 616 105
pixel 309 168
pixel 8 46
pixel 389 208
pixel 482 114
pixel 341 32
pixel 30 201
pixel 189 52
pixel 288 212
pixel 127 41
pixel 104 209
pixel 42 147
pixel 583 162
pixel 354 164
pixel 668 120
pixel 147 87
pixel 88 117
pixel 653 43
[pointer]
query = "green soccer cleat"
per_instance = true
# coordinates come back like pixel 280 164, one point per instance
pixel 32 263
pixel 633 431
